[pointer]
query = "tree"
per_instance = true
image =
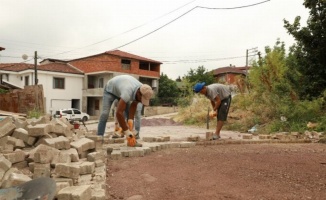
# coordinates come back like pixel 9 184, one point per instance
pixel 200 75
pixel 307 56
pixel 168 91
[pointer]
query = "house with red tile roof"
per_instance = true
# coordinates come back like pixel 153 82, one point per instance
pixel 79 83
pixel 229 75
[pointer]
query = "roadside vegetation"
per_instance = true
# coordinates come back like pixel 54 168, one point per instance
pixel 284 92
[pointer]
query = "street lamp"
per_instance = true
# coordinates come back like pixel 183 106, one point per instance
pixel 25 57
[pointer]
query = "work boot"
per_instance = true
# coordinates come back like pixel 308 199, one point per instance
pixel 138 144
pixel 117 135
pixel 216 137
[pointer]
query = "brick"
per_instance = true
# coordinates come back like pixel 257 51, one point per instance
pixel 5 164
pixel 187 144
pixel 72 153
pixel 16 156
pixel 247 136
pixel 61 127
pixel 116 155
pixel 98 194
pixel 86 167
pixel 58 143
pixel 20 165
pixel 41 170
pixel 83 145
pixel 264 137
pixel 38 130
pixel 82 192
pixel 43 154
pixel 94 156
pixel 67 170
pixel 15 179
pixel 7 127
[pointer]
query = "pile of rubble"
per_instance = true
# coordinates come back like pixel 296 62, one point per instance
pixel 45 147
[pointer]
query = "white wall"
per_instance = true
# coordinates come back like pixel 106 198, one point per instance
pixel 60 98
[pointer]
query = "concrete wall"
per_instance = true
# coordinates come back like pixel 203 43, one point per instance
pixel 159 110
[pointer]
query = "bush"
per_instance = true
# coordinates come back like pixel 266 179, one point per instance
pixel 35 113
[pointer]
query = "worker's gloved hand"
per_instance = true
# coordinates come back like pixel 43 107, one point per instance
pixel 212 114
pixel 130 124
pixel 117 128
pixel 128 133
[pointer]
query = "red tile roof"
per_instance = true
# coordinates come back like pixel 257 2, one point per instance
pixel 224 70
pixel 129 55
pixel 53 67
pixel 15 67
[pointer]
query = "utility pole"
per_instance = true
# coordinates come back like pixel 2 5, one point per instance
pixel 248 51
pixel 35 68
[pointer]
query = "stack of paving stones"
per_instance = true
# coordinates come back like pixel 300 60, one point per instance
pixel 248 138
pixel 44 147
pixel 117 149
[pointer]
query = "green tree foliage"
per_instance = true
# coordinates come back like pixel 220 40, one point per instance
pixel 308 54
pixel 200 75
pixel 271 74
pixel 274 93
pixel 269 78
pixel 168 91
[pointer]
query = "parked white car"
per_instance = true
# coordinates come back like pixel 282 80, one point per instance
pixel 72 114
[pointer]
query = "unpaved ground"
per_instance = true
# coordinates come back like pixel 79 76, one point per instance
pixel 256 171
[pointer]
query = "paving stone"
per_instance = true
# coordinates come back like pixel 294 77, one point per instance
pixel 58 143
pixel 265 137
pixel 7 127
pixel 83 145
pixel 67 170
pixel 5 164
pixel 187 144
pixel 82 192
pixel 98 194
pixel 116 155
pixel 16 156
pixel 15 179
pixel 247 136
pixel 41 170
pixel 38 130
pixel 72 152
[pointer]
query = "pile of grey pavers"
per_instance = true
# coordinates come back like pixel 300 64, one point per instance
pixel 75 158
pixel 45 147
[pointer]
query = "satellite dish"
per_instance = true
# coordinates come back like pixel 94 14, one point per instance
pixel 24 56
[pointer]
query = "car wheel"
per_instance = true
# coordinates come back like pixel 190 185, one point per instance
pixel 84 119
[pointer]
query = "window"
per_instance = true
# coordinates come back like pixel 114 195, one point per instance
pixel 26 80
pixel 58 83
pixel 4 77
pixel 125 64
pixel 97 104
pixel 67 112
pixel 100 82
pixel 76 111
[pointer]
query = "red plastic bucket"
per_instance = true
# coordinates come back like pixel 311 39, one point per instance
pixel 76 126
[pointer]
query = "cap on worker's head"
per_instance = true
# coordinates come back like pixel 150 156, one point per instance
pixel 146 93
pixel 198 87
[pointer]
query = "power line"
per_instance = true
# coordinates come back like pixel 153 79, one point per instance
pixel 239 7
pixel 126 31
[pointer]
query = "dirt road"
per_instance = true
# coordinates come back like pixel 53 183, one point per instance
pixel 256 171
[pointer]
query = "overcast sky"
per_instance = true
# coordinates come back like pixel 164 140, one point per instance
pixel 173 32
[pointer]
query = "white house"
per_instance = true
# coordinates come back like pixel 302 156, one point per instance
pixel 79 83
pixel 62 84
